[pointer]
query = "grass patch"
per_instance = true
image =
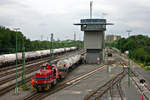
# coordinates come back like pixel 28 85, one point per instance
pixel 147 68
pixel 142 65
pixel 26 87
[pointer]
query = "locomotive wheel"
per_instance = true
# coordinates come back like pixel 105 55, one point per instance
pixel 52 85
pixel 39 89
pixel 55 81
pixel 60 78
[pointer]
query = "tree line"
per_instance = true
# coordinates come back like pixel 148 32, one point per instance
pixel 8 42
pixel 137 45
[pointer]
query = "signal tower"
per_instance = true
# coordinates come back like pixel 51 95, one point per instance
pixel 94 33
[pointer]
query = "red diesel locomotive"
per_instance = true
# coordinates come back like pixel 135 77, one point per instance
pixel 49 75
pixel 46 78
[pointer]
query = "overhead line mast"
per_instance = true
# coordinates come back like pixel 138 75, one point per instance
pixel 91 3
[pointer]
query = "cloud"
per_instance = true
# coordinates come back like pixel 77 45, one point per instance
pixel 42 17
pixel 6 2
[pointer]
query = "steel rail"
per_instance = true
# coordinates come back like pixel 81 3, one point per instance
pixel 120 90
pixel 111 94
pixel 103 89
pixel 139 86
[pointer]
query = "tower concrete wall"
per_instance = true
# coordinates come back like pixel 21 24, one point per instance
pixel 94 44
pixel 94 39
pixel 94 56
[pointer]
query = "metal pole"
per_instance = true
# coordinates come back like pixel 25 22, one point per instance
pixel 107 61
pixel 16 61
pixel 91 2
pixel 16 66
pixel 51 51
pixel 120 48
pixel 129 72
pixel 128 62
pixel 23 64
pixel 52 40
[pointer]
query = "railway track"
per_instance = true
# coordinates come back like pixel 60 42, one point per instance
pixel 61 85
pixel 10 87
pixel 108 86
pixel 12 69
pixel 4 88
pixel 29 61
pixel 11 74
pixel 135 77
pixel 144 90
pixel 120 91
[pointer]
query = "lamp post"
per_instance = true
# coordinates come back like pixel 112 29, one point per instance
pixel 23 64
pixel 51 51
pixel 128 60
pixel 16 29
pixel 127 52
pixel 108 69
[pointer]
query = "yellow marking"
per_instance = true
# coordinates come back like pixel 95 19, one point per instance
pixel 112 75
pixel 76 92
pixel 33 88
pixel 47 88
pixel 20 89
pixel 89 90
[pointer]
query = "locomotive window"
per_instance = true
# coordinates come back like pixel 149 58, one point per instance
pixel 41 78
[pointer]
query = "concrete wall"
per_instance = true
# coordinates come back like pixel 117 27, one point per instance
pixel 93 54
pixel 93 40
pixel 94 44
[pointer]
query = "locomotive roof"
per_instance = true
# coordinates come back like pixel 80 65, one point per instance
pixel 44 72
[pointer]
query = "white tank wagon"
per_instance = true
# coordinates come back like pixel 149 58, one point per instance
pixel 55 50
pixel 10 59
pixel 61 50
pixel 44 53
pixel 73 48
pixel 68 63
pixel 2 60
pixel 67 49
pixel 19 55
pixel 31 55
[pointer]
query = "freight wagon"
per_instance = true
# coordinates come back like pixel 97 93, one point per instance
pixel 10 59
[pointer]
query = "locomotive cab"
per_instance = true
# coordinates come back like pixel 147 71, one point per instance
pixel 42 80
pixel 46 78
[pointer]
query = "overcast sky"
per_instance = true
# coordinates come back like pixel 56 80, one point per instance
pixel 38 18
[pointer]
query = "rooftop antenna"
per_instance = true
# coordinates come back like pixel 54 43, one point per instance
pixel 129 32
pixel 104 14
pixel 74 36
pixel 91 3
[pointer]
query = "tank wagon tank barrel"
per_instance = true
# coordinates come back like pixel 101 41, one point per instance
pixel 9 59
pixel 68 63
